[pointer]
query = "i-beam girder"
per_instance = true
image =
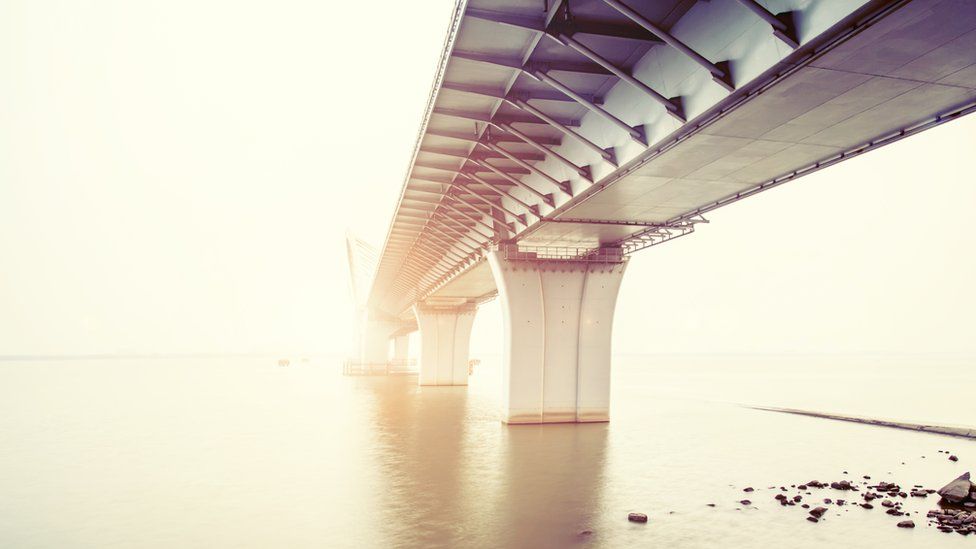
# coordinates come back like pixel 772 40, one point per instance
pixel 460 136
pixel 719 75
pixel 593 27
pixel 482 154
pixel 500 219
pixel 562 32
pixel 521 218
pixel 533 209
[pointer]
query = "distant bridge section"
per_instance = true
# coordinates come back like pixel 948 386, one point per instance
pixel 563 135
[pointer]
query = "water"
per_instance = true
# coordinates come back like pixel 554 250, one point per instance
pixel 243 453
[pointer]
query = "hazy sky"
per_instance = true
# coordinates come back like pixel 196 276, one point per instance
pixel 178 176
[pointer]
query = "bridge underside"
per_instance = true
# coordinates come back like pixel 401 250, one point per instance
pixel 597 126
pixel 873 90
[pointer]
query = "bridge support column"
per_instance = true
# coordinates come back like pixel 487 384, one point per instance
pixel 445 333
pixel 558 318
pixel 401 347
pixel 375 341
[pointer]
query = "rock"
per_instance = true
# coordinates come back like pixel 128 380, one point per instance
pixel 827 501
pixel 780 497
pixel 818 511
pixel 637 517
pixel 805 506
pixel 867 506
pixel 841 501
pixel 906 524
pixel 842 485
pixel 749 489
pixel 957 490
pixel 813 519
pixel 953 458
pixel 802 487
pixel 797 498
pixel 888 503
pixel 710 504
pixel 745 502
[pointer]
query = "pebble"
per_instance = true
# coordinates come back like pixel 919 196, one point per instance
pixel 637 517
pixel 745 502
pixel 953 458
pixel 906 524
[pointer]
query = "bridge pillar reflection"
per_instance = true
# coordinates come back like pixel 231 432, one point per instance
pixel 558 319
pixel 445 334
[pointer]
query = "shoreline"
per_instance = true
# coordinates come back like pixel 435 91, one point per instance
pixel 959 432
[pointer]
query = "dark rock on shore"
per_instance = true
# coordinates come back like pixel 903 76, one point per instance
pixel 906 524
pixel 637 517
pixel 745 502
pixel 958 490
pixel 818 511
pixel 952 520
pixel 953 458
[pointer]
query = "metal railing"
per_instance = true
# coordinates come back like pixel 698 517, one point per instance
pixel 535 253
pixel 351 367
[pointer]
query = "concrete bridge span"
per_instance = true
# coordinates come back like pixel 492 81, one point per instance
pixel 563 136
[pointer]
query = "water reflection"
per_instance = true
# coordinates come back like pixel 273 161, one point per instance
pixel 420 453
pixel 453 475
pixel 248 454
pixel 539 457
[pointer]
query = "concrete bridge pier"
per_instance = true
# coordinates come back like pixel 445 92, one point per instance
pixel 401 347
pixel 445 334
pixel 374 345
pixel 558 319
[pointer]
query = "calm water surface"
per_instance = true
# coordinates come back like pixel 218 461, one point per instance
pixel 243 453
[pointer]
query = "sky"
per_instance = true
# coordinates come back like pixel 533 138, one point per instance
pixel 179 177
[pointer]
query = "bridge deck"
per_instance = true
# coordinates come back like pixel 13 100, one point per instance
pixel 859 79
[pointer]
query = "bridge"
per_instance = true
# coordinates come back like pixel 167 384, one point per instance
pixel 561 136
